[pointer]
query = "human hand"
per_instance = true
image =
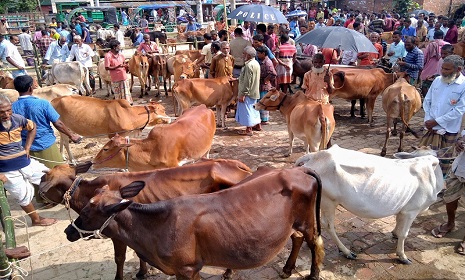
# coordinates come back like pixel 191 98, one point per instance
pixel 27 153
pixel 241 98
pixel 76 138
pixel 3 178
pixel 429 124
pixel 401 63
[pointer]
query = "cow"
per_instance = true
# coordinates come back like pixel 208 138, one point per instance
pixel 309 120
pixel 459 49
pixel 73 73
pixel 157 68
pixel 193 55
pixel 180 66
pixel 139 67
pixel 219 92
pixel 202 177
pixel 374 187
pixel 400 102
pixel 105 76
pixel 350 83
pixel 48 93
pixel 6 81
pixel 94 117
pixel 223 229
pixel 188 138
pixel 300 67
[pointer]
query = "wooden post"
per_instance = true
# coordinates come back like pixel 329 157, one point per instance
pixel 36 65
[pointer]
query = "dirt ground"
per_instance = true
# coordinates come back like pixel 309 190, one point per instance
pixel 53 257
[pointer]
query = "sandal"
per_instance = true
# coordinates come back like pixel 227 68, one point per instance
pixel 439 232
pixel 245 133
pixel 461 248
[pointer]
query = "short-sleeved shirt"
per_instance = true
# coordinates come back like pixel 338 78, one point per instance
pixel 206 51
pixel 112 60
pixel 82 54
pixel 12 52
pixel 12 153
pixel 25 41
pixel 315 87
pixel 148 48
pixel 42 113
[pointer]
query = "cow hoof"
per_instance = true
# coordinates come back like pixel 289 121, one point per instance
pixel 287 155
pixel 350 256
pixel 383 153
pixel 141 275
pixel 394 235
pixel 405 261
pixel 284 275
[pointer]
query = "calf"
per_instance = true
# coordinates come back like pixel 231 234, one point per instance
pixel 219 92
pixel 73 73
pixel 300 67
pixel 309 120
pixel 157 68
pixel 203 177
pixel 224 229
pixel 139 67
pixel 373 187
pixel 188 138
pixel 104 75
pixel 400 101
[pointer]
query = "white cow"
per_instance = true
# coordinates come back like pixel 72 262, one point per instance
pixel 373 187
pixel 47 93
pixel 73 73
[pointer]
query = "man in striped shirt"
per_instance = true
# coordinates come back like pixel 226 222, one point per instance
pixel 20 171
pixel 413 62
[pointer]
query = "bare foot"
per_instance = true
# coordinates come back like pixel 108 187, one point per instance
pixel 44 222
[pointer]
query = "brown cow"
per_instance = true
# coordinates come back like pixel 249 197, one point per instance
pixel 300 67
pixel 309 120
pixel 139 67
pixel 188 138
pixel 202 177
pixel 350 83
pixel 459 49
pixel 219 92
pixel 6 82
pixel 400 101
pixel 157 68
pixel 193 55
pixel 223 229
pixel 94 117
pixel 179 66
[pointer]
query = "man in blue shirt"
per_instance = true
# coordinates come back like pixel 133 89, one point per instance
pixel 408 30
pixel 191 26
pixel 42 113
pixel 414 60
pixel 138 38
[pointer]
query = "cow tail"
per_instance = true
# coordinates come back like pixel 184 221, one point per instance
pixel 318 240
pixel 324 128
pixel 404 110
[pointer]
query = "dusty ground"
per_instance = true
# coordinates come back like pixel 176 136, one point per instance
pixel 53 257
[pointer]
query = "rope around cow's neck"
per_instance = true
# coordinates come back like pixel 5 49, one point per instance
pixel 69 195
pixel 96 233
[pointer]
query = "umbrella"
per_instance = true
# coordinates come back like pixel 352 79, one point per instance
pixel 338 37
pixel 296 13
pixel 258 13
pixel 417 12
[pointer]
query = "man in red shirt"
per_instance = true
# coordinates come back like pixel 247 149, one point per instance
pixel 147 47
pixel 372 58
pixel 116 64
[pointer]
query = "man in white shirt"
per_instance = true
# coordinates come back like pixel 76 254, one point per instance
pixel 205 60
pixel 13 57
pixel 397 48
pixel 413 20
pixel 119 35
pixel 58 51
pixel 444 106
pixel 26 45
pixel 83 53
pixel 246 32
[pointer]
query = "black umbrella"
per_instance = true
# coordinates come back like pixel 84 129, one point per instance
pixel 417 12
pixel 338 37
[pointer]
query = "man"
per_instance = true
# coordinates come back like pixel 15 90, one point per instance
pixel 249 93
pixel 206 59
pixel 80 17
pixel 432 57
pixel 408 30
pixel 191 26
pixel 351 20
pixel 413 20
pixel 223 63
pixel 452 34
pixel 59 26
pixel 44 42
pixel 444 106
pixel 54 34
pixel 321 23
pixel 223 35
pixel 25 40
pixel 214 35
pixel 83 53
pixel 21 171
pixel 144 24
pixel 258 41
pixel 316 82
pixel 4 26
pixel 237 46
pixel 138 37
pixel 396 49
pixel 267 79
pixel 58 51
pixel 119 35
pixel 246 32
pixel 13 57
pixel 413 62
pixel 444 24
pixel 261 29
pixel 147 47
pixel 116 65
pixel 78 27
pixel 422 31
pixel 53 23
pixel 437 27
pixel 372 58
pixel 286 54
pixel 429 33
pixel 65 33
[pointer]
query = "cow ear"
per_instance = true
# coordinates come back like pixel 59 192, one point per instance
pixel 82 167
pixel 132 189
pixel 124 142
pixel 274 97
pixel 116 207
pixel 403 155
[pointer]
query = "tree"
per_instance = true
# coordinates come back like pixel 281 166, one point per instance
pixel 8 6
pixel 403 7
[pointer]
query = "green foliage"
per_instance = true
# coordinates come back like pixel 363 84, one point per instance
pixel 9 6
pixel 403 7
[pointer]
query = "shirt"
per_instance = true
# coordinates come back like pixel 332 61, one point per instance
pixel 414 60
pixel 151 47
pixel 315 87
pixel 249 80
pixel 42 113
pixel 432 58
pixel 139 39
pixel 191 27
pixel 399 52
pixel 237 46
pixel 445 103
pixel 206 51
pixel 411 31
pixel 112 60
pixel 222 66
pixel 25 41
pixel 44 43
pixel 82 54
pixel 452 35
pixel 267 72
pixel 12 52
pixel 430 35
pixel 12 153
pixel 65 33
pixel 56 53
pixel 120 37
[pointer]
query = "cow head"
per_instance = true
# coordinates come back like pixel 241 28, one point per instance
pixel 184 66
pixel 100 211
pixel 57 180
pixel 157 114
pixel 113 153
pixel 417 152
pixel 271 101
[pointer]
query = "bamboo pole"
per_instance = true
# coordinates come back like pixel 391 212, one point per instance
pixel 8 226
